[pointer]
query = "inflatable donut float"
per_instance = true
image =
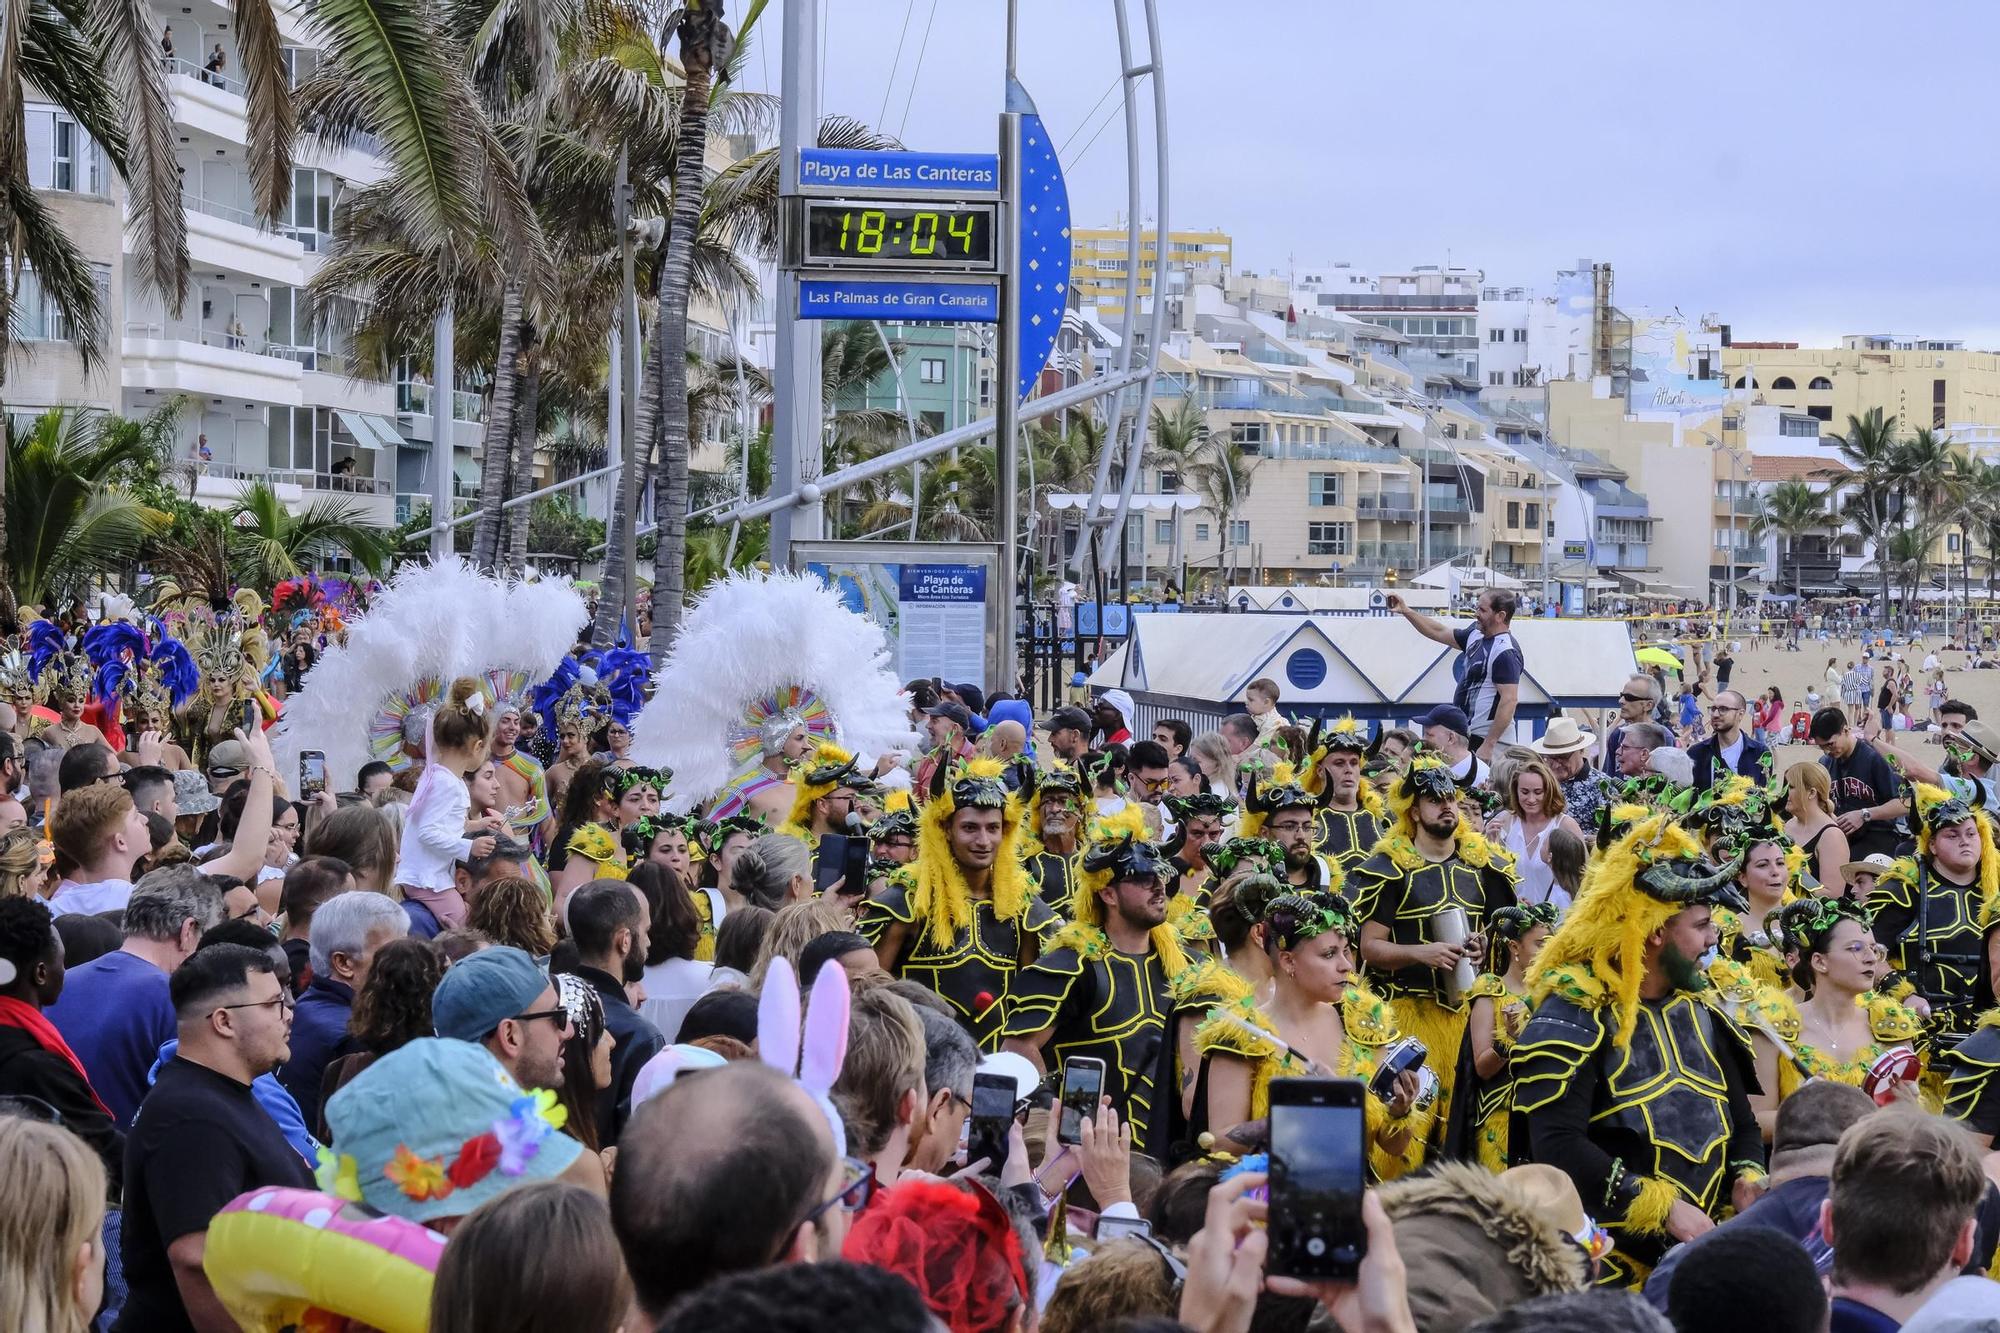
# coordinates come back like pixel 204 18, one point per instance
pixel 290 1259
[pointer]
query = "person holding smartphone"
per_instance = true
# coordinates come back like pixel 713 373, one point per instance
pixel 1627 1077
pixel 1102 988
pixel 1318 1022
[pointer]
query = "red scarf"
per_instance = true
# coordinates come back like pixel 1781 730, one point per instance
pixel 20 1014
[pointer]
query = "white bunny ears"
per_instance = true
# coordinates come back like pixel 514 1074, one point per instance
pixel 816 1061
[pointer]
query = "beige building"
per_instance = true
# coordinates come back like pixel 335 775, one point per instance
pixel 1101 256
pixel 1932 382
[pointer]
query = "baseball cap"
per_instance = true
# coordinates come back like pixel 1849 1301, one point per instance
pixel 481 990
pixel 1069 719
pixel 437 1127
pixel 958 713
pixel 229 754
pixel 191 793
pixel 971 696
pixel 1449 716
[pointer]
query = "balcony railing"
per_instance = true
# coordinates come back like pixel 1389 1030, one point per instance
pixel 304 478
pixel 175 65
pixel 414 399
pixel 216 209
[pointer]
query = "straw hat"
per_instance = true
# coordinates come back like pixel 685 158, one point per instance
pixel 1563 736
pixel 1872 864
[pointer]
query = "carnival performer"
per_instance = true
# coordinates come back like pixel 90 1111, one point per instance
pixel 1628 1077
pixel 142 673
pixel 828 784
pixel 1100 988
pixel 765 666
pixel 524 789
pixel 370 696
pixel 1932 911
pixel 963 917
pixel 62 677
pixel 573 715
pixel 1500 1005
pixel 1842 1026
pixel 1199 821
pixel 636 790
pixel 1351 813
pixel 893 835
pixel 1236 968
pixel 1319 1022
pixel 1280 809
pixel 1744 933
pixel 1056 804
pixel 232 650
pixel 1431 862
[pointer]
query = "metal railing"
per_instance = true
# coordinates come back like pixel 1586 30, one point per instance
pixel 304 478
pixel 175 65
pixel 215 209
pixel 414 399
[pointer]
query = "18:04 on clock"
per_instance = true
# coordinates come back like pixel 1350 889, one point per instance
pixel 886 234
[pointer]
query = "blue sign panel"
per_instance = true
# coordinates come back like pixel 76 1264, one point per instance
pixel 889 298
pixel 1041 264
pixel 940 173
pixel 940 583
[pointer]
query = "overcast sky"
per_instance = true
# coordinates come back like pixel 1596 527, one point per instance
pixel 1804 168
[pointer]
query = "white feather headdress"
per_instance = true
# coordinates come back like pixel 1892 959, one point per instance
pixel 433 622
pixel 755 638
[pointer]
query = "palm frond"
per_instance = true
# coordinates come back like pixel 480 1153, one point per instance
pixel 273 122
pixel 66 277
pixel 124 34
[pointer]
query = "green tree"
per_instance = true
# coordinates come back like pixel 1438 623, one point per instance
pixel 1794 509
pixel 268 542
pixel 70 512
pixel 1873 506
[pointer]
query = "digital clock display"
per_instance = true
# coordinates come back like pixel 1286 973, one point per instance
pixel 886 234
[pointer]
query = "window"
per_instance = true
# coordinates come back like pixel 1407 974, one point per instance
pixel 985 388
pixel 60 155
pixel 1247 435
pixel 1496 377
pixel 1239 532
pixel 1804 428
pixel 1170 482
pixel 1513 513
pixel 1745 383
pixel 1329 538
pixel 1783 382
pixel 37 319
pixel 1163 532
pixel 1517 379
pixel 1822 413
pixel 933 422
pixel 1323 488
pixel 1201 532
pixel 1520 335
pixel 1937 404
pixel 1951 542
pixel 1534 516
pixel 1496 335
pixel 931 370
pixel 1820 383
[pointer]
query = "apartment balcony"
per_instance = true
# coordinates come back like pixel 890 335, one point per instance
pixel 184 357
pixel 221 235
pixel 413 415
pixel 213 103
pixel 1394 508
pixel 217 486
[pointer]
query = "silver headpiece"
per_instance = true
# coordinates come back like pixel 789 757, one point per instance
pixel 776 730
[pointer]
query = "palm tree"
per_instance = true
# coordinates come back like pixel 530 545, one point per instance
pixel 268 542
pixel 1869 450
pixel 1980 513
pixel 1794 509
pixel 67 514
pixel 1178 440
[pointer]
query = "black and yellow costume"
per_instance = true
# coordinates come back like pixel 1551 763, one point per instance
pixel 1397 888
pixel 1640 1102
pixel 1090 999
pixel 969 950
pixel 1278 793
pixel 1934 929
pixel 1054 873
pixel 1972 1078
pixel 1488 1103
pixel 1346 837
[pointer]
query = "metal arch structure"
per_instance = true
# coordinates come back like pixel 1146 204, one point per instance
pixel 799 495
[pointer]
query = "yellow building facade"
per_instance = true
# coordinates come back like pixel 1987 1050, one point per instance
pixel 1101 256
pixel 1920 382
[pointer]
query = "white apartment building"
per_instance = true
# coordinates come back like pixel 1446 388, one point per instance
pixel 1530 335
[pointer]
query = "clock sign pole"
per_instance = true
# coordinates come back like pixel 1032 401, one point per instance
pixel 971 238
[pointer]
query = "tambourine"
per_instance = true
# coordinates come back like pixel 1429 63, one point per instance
pixel 1898 1064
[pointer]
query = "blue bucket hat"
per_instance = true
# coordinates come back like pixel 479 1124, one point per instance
pixel 437 1127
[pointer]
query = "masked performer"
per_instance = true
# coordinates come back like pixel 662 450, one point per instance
pixel 1932 911
pixel 1319 1022
pixel 1057 808
pixel 1629 1077
pixel 1423 896
pixel 963 917
pixel 1100 988
pixel 1280 809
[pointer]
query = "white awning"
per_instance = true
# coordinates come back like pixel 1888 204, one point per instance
pixel 369 431
pixel 1155 503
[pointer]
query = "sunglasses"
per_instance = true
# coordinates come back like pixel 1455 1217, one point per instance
pixel 224 771
pixel 1635 698
pixel 853 1195
pixel 558 1015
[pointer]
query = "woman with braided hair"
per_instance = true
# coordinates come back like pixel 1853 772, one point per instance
pixel 1318 1022
pixel 1238 970
pixel 1500 1006
pixel 1842 1026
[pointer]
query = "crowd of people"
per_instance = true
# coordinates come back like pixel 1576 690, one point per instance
pixel 446 988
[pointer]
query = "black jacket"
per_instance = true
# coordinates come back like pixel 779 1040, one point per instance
pixel 1749 764
pixel 27 1070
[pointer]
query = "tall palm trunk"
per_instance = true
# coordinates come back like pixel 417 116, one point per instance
pixel 702 35
pixel 524 459
pixel 496 454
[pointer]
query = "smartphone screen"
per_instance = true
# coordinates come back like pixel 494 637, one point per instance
pixel 252 718
pixel 1083 1084
pixel 991 1121
pixel 312 773
pixel 1318 1175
